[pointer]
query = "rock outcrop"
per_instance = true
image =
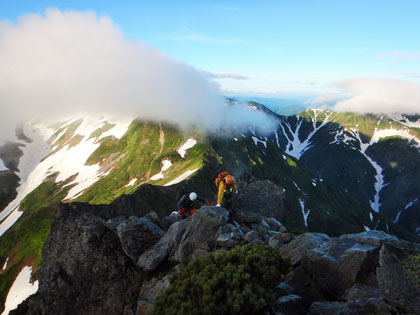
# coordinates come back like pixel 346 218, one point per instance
pixel 84 269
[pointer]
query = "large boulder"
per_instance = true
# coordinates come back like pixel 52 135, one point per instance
pixel 198 231
pixel 201 232
pixel 164 248
pixel 376 305
pixel 84 269
pixel 138 235
pixel 399 277
pixel 259 199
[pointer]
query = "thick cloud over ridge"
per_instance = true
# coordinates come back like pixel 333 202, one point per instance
pixel 69 63
pixel 379 95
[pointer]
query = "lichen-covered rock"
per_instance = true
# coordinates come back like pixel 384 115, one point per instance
pixel 137 236
pixel 397 279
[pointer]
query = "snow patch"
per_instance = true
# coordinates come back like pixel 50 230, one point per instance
pixel 367 229
pixel 397 218
pixel 314 182
pixel 371 216
pixel 305 214
pixel 296 186
pixel 165 165
pixel 186 146
pixel 181 178
pixel 131 182
pixel 295 147
pixel 21 289
pixel 10 220
pixel 256 140
pixel 2 166
pixel 5 264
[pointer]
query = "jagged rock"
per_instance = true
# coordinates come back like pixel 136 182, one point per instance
pixel 278 240
pixel 296 249
pixel 229 235
pixel 149 292
pixel 376 305
pixel 262 228
pixel 290 305
pixel 374 237
pixel 361 291
pixel 259 199
pixel 201 231
pixel 251 236
pixel 114 222
pixel 160 251
pixel 138 235
pixel 84 269
pixel 275 224
pixel 183 238
pixel 336 265
pixel 395 281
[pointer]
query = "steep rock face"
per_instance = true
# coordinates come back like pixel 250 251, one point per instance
pixel 84 269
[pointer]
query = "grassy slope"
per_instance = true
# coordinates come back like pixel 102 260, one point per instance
pixel 140 156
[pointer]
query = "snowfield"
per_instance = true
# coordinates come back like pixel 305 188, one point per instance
pixel 66 162
pixel 186 146
pixel 21 289
pixel 182 177
pixel 165 165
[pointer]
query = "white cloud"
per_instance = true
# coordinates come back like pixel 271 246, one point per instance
pixel 67 63
pixel 234 76
pixel 401 55
pixel 374 95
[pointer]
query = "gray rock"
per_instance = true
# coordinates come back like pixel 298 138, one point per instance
pixel 160 251
pixel 273 223
pixel 138 235
pixel 352 307
pixel 83 262
pixel 251 236
pixel 115 222
pixel 290 305
pixel 257 200
pixel 202 228
pixel 296 249
pixel 361 291
pixel 396 284
pixel 184 237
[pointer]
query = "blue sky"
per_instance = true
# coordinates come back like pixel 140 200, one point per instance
pixel 279 47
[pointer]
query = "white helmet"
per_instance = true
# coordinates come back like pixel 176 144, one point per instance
pixel 193 196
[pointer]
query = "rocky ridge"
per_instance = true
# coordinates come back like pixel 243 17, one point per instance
pixel 120 266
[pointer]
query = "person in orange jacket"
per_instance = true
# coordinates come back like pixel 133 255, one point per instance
pixel 226 186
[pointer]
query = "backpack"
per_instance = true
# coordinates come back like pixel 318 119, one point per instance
pixel 220 177
pixel 181 192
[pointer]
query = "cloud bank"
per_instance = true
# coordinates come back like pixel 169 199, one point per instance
pixel 71 63
pixel 374 95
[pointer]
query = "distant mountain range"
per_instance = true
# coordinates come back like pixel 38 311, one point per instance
pixel 340 172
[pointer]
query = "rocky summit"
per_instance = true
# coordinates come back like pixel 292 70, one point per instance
pixel 122 266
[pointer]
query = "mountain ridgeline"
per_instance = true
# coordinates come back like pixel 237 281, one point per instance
pixel 338 173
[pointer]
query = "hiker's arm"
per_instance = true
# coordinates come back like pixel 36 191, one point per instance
pixel 201 199
pixel 221 191
pixel 181 201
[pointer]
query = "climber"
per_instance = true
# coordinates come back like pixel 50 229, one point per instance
pixel 185 201
pixel 226 186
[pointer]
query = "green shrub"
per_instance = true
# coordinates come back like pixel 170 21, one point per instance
pixel 239 281
pixel 411 267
